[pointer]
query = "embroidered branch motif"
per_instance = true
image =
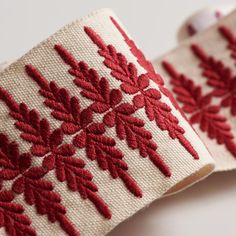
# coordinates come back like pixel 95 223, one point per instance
pixel 141 59
pixel 58 156
pixel 147 65
pixel 116 113
pixel 92 136
pixel 231 38
pixel 12 163
pixel 220 77
pixel 12 216
pixel 30 182
pixel 137 85
pixel 199 106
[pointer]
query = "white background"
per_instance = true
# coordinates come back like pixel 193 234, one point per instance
pixel 209 207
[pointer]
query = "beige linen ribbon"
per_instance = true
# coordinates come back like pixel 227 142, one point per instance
pixel 201 73
pixel 202 19
pixel 89 135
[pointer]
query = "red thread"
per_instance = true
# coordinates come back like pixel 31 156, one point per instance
pixel 191 30
pixel 37 191
pixel 65 108
pixel 12 216
pixel 57 155
pixel 121 117
pixel 200 108
pixel 147 65
pixel 92 137
pixel 141 59
pixel 220 77
pixel 12 163
pixel 231 38
pixel 149 98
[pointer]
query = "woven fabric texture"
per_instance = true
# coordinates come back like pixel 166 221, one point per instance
pixel 89 135
pixel 201 74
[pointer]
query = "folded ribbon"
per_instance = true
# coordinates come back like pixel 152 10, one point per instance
pixel 89 135
pixel 202 20
pixel 201 72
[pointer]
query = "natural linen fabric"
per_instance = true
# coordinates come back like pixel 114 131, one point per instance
pixel 207 60
pixel 46 176
pixel 202 19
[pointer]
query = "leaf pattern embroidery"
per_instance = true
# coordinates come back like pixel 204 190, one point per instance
pixel 200 109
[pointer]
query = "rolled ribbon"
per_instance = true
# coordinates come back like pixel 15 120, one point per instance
pixel 201 73
pixel 202 20
pixel 89 135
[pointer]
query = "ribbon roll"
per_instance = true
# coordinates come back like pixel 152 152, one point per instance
pixel 89 135
pixel 201 73
pixel 202 20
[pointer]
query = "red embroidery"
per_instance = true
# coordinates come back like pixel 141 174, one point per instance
pixel 231 38
pixel 11 162
pixel 191 30
pixel 148 98
pixel 12 216
pixel 121 117
pixel 147 65
pixel 28 181
pixel 92 136
pixel 57 156
pixel 200 108
pixel 218 14
pixel 40 193
pixel 220 77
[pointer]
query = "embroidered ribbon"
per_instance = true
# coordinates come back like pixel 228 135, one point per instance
pixel 89 135
pixel 202 76
pixel 202 20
